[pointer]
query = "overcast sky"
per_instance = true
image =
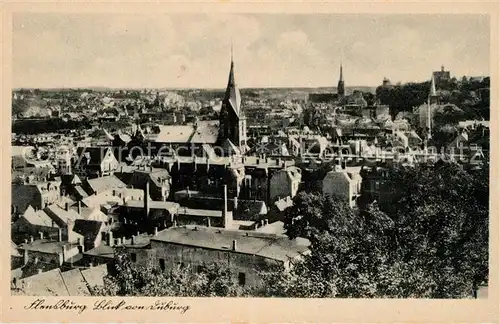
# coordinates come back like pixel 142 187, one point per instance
pixel 181 50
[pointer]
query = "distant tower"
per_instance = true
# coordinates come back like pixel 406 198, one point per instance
pixel 340 85
pixel 233 125
pixel 432 99
pixel 64 161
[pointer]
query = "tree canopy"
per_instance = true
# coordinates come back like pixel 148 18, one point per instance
pixel 429 240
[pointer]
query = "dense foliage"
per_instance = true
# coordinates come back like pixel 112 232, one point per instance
pixel 471 96
pixel 428 240
pixel 127 278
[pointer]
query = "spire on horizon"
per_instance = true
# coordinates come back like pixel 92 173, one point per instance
pixel 432 92
pixel 341 78
pixel 340 84
pixel 232 96
pixel 232 50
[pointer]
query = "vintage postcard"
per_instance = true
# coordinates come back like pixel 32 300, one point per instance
pixel 250 162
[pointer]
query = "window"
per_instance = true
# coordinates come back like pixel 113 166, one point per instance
pixel 241 279
pixel 133 257
pixel 162 264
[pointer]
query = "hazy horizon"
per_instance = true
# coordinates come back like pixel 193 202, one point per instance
pixel 192 51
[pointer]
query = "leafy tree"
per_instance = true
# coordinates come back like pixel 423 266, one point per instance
pixel 441 225
pixel 347 250
pixel 429 239
pixel 127 278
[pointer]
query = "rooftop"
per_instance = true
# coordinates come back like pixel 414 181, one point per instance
pixel 266 245
pixel 172 207
pixel 46 246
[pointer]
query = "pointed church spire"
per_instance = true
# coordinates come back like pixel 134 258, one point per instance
pixel 341 78
pixel 232 51
pixel 232 96
pixel 340 84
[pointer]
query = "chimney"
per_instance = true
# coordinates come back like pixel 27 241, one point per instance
pixel 156 231
pixel 114 192
pixel 25 241
pixel 81 247
pixel 175 223
pixel 278 161
pixel 41 235
pixel 266 221
pixel 32 239
pixel 208 222
pixel 66 206
pixel 59 234
pixel 256 225
pixel 79 207
pixel 25 256
pixel 110 239
pixel 40 271
pixel 235 202
pixel 132 239
pixel 235 245
pixel 224 210
pixel 63 253
pixel 146 199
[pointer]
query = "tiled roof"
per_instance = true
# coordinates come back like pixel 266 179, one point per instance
pixel 199 212
pixel 45 246
pixel 105 183
pixel 81 192
pixel 13 249
pixel 96 154
pixel 206 131
pixel 48 283
pixel 175 134
pixel 232 96
pixel 60 215
pixel 102 250
pixel 266 245
pixel 277 228
pixel 90 229
pixel 23 195
pixel 94 276
pixel 38 217
pixel 75 283
pixel 172 207
pixel 106 198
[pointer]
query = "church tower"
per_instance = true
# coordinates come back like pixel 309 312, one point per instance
pixel 431 101
pixel 340 85
pixel 233 126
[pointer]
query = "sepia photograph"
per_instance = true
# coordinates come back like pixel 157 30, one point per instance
pixel 277 155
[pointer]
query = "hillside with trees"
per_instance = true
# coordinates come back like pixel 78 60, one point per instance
pixel 470 95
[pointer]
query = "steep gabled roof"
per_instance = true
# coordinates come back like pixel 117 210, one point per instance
pixel 232 96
